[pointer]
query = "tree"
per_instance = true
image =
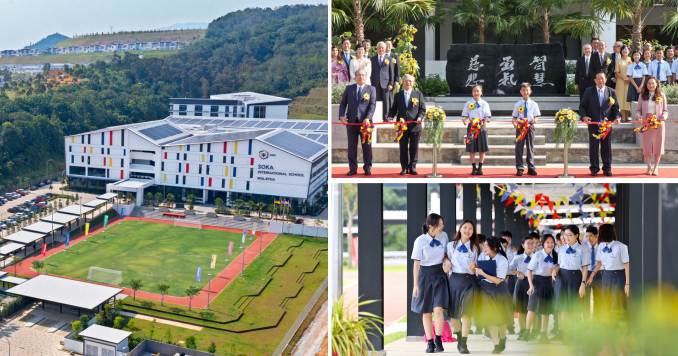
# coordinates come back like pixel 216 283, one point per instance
pixel 170 200
pixel 38 265
pixel 212 348
pixel 259 206
pixel 135 285
pixel 163 288
pixel 219 203
pixel 481 14
pixel 118 322
pixel 190 342
pixel 238 205
pixel 530 13
pixel 149 199
pixel 378 14
pixel 190 199
pixel 190 293
pixel 158 198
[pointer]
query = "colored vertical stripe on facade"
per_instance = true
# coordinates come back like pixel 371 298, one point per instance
pixel 226 171
pixel 235 170
pixel 249 147
pixel 235 147
pixel 110 138
pixel 187 168
pixel 165 154
pixel 251 161
pixel 104 161
pixel 225 147
pixel 230 184
pixel 209 181
pixel 122 174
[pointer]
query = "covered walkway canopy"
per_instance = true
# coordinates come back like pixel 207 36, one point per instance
pixel 10 248
pixel 63 291
pixel 59 218
pixel 95 203
pixel 25 237
pixel 107 196
pixel 43 227
pixel 76 209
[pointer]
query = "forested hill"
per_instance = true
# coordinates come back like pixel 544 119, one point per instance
pixel 280 52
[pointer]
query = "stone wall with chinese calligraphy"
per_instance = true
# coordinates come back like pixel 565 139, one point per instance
pixel 500 68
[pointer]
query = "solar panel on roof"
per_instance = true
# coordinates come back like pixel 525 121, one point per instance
pixel 261 124
pixel 239 123
pixel 314 126
pixel 323 127
pixel 160 131
pixel 323 139
pixel 287 125
pixel 275 124
pixel 295 144
pixel 313 137
pixel 300 125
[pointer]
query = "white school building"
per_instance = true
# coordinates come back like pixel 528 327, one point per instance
pixel 225 155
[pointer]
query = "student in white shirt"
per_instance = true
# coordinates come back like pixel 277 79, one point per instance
pixel 520 297
pixel 572 269
pixel 540 275
pixel 462 255
pixel 430 294
pixel 636 72
pixel 476 142
pixel 659 68
pixel 525 109
pixel 612 257
pixel 495 299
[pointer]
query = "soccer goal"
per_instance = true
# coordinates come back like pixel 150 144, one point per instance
pixel 104 275
pixel 188 223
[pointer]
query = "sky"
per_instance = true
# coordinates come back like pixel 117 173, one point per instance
pixel 26 21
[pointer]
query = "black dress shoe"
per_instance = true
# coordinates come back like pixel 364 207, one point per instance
pixel 368 172
pixel 351 173
pixel 532 172
pixel 403 172
pixel 594 173
pixel 413 171
pixel 519 173
pixel 607 173
pixel 430 348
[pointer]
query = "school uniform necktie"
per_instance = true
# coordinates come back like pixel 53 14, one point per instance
pixel 525 116
pixel 570 250
pixel 548 259
pixel 607 249
pixel 659 64
pixel 434 243
pixel 593 256
pixel 637 67
pixel 527 259
pixel 462 249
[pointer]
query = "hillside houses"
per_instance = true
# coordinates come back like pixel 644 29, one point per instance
pixel 96 48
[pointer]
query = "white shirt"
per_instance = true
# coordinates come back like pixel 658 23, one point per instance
pixel 482 112
pixel 664 70
pixel 651 109
pixel 573 261
pixel 539 266
pixel 587 61
pixel 518 263
pixel 674 66
pixel 461 260
pixel 634 72
pixel 612 260
pixel 509 256
pixel 426 254
pixel 601 94
pixel 531 112
pixel 591 253
pixel 502 265
pixel 407 93
pixel 364 64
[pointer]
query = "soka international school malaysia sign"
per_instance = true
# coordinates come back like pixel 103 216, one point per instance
pixel 278 172
pixel 500 68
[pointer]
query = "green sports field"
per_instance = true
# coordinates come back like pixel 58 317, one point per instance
pixel 154 253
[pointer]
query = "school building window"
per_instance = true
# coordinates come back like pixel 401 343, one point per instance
pixel 176 179
pixel 198 110
pixel 223 183
pixel 202 181
pixel 183 180
pixel 182 110
pixel 122 162
pixel 72 159
pixel 214 111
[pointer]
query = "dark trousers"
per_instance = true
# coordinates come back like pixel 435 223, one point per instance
pixel 597 291
pixel 353 135
pixel 409 148
pixel 599 147
pixel 520 147
pixel 386 97
pixel 583 86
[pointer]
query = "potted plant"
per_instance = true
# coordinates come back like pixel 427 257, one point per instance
pixel 350 333
pixel 434 124
pixel 566 130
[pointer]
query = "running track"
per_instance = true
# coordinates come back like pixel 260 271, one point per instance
pixel 219 283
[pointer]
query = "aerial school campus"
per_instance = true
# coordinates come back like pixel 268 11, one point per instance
pixel 201 233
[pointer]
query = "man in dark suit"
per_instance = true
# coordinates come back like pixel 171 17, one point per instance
pixel 346 56
pixel 383 77
pixel 394 61
pixel 616 48
pixel 586 70
pixel 599 104
pixel 602 58
pixel 357 105
pixel 409 105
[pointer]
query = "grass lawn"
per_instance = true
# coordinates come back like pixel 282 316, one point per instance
pixel 83 58
pixel 261 311
pixel 152 252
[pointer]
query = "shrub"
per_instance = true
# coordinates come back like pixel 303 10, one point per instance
pixel 671 92
pixel 337 91
pixel 118 322
pixel 190 342
pixel 213 348
pixel 433 85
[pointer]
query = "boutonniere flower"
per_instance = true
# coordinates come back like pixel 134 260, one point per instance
pixel 394 61
pixel 471 106
pixel 366 97
pixel 658 99
pixel 521 109
pixel 608 61
pixel 415 101
pixel 340 62
pixel 611 101
pixel 386 61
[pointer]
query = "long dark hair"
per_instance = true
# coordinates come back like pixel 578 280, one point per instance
pixel 553 252
pixel 432 219
pixel 494 243
pixel 645 93
pixel 573 229
pixel 474 237
pixel 521 249
pixel 606 233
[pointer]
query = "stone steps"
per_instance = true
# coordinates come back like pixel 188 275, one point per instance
pixel 502 160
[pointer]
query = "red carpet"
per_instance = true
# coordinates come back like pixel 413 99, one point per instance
pixel 219 283
pixel 505 172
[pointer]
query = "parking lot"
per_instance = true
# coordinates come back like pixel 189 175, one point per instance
pixel 35 332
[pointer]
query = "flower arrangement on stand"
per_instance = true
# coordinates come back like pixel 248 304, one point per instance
pixel 565 132
pixel 434 125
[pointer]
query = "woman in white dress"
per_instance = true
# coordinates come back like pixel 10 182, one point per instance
pixel 360 62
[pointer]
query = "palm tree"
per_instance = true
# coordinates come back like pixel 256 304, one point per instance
pixel 259 206
pixel 541 12
pixel 38 265
pixel 149 199
pixel 190 293
pixel 158 198
pixel 482 14
pixel 170 200
pixel 163 288
pixel 238 205
pixel 219 203
pixel 135 285
pixel 190 199
pixel 378 14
